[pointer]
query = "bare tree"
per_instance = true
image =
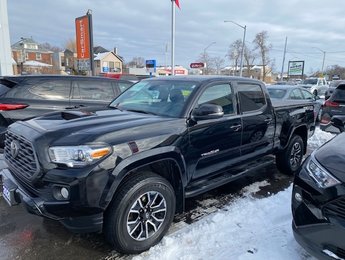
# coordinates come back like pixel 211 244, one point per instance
pixel 49 47
pixel 249 58
pixel 138 62
pixel 336 71
pixel 261 44
pixel 234 52
pixel 218 63
pixel 71 45
pixel 208 61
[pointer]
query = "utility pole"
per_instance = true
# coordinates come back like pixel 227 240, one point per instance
pixel 5 46
pixel 281 74
pixel 205 65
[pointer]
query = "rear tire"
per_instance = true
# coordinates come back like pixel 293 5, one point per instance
pixel 290 160
pixel 140 213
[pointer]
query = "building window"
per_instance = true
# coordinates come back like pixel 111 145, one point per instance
pixel 26 56
pixel 38 56
pixel 111 66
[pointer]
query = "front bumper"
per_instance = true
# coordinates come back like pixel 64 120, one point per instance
pixel 319 240
pixel 318 230
pixel 74 221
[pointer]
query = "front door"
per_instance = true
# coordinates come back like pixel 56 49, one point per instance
pixel 215 144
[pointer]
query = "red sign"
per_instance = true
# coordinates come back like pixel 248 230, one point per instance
pixel 197 65
pixel 83 37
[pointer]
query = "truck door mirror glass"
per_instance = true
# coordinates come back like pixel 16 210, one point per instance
pixel 207 111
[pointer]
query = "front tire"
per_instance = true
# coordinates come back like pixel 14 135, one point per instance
pixel 140 213
pixel 290 160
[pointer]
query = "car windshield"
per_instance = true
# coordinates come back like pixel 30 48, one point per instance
pixel 158 97
pixel 276 93
pixel 310 81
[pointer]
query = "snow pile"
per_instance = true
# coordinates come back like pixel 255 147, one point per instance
pixel 319 138
pixel 247 228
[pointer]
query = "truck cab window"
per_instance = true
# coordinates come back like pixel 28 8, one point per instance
pixel 218 95
pixel 251 97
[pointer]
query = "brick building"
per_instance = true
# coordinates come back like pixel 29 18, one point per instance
pixel 31 57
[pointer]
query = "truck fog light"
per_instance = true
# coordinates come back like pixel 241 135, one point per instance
pixel 64 193
pixel 298 197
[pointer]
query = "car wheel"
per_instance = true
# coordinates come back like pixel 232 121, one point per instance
pixel 140 213
pixel 289 161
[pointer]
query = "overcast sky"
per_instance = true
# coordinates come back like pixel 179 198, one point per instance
pixel 143 27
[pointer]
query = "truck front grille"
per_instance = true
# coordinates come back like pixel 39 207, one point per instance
pixel 20 155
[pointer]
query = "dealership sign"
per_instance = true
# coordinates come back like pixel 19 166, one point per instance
pixel 296 68
pixel 83 37
pixel 197 65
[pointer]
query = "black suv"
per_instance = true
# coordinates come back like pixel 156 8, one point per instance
pixel 23 97
pixel 334 105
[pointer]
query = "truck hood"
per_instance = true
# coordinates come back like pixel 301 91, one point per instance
pixel 332 156
pixel 108 125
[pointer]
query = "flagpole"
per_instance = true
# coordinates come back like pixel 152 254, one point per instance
pixel 172 37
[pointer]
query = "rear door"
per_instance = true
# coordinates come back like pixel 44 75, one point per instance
pixel 257 120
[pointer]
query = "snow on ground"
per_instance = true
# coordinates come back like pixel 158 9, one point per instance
pixel 247 228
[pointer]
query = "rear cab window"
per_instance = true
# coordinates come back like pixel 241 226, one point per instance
pixel 251 97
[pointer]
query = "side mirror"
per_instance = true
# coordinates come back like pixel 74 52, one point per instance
pixel 338 122
pixel 207 111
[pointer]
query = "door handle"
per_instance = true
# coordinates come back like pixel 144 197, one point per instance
pixel 236 127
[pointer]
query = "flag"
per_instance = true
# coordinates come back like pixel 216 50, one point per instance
pixel 177 3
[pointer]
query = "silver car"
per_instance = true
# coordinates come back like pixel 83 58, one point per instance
pixel 288 92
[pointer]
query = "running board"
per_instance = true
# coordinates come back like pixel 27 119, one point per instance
pixel 200 186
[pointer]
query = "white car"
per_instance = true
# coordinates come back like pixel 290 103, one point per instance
pixel 317 86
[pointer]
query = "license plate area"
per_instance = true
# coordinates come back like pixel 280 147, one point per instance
pixel 9 192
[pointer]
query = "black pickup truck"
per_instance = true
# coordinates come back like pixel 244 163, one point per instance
pixel 126 170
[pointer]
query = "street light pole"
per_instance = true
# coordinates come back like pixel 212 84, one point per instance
pixel 208 46
pixel 244 39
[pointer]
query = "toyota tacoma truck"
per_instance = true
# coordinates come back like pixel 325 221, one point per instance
pixel 126 170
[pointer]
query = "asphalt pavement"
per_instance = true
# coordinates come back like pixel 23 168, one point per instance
pixel 29 237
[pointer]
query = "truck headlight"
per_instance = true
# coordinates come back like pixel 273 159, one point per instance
pixel 320 175
pixel 78 156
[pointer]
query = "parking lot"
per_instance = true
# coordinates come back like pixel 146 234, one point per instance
pixel 25 236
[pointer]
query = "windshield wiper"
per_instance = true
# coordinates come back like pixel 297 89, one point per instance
pixel 141 111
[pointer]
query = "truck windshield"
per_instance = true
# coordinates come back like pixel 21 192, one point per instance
pixel 159 97
pixel 310 81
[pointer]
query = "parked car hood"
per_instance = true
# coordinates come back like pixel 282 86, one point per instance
pixel 332 156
